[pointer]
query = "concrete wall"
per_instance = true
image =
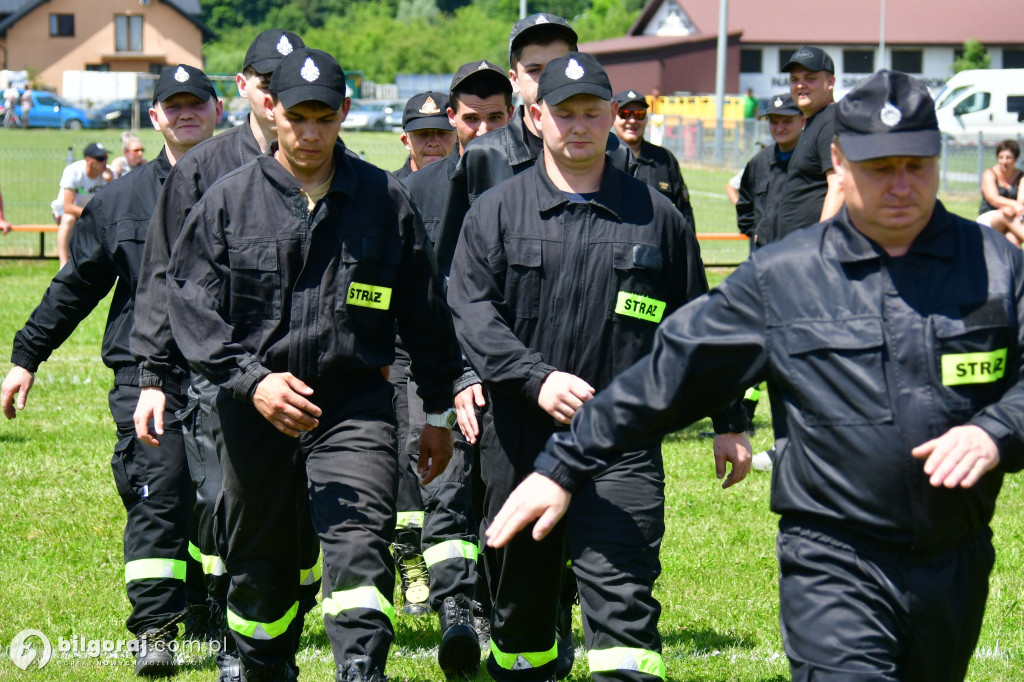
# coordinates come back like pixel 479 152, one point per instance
pixel 167 38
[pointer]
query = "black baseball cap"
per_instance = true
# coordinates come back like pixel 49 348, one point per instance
pixel 183 78
pixel 629 97
pixel 95 150
pixel 888 114
pixel 577 73
pixel 532 23
pixel 812 59
pixel 308 75
pixel 782 104
pixel 268 49
pixel 481 69
pixel 426 110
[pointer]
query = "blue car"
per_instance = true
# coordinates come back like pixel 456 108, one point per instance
pixel 53 111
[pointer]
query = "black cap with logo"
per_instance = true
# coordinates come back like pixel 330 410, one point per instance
pixel 812 59
pixel 889 114
pixel 183 78
pixel 308 75
pixel 472 71
pixel 534 22
pixel 630 97
pixel 95 150
pixel 426 110
pixel 577 73
pixel 782 105
pixel 268 49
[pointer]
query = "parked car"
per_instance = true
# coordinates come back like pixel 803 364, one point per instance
pixel 369 115
pixel 53 111
pixel 985 101
pixel 118 114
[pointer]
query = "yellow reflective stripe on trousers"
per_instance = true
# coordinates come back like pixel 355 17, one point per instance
pixel 450 549
pixel 523 660
pixel 753 393
pixel 262 631
pixel 407 519
pixel 194 552
pixel 310 576
pixel 625 658
pixel 366 597
pixel 213 565
pixel 150 569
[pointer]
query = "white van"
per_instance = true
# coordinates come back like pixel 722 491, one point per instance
pixel 989 101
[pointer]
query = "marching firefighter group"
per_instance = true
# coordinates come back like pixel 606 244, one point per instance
pixel 326 373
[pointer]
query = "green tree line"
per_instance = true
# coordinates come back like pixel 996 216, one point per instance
pixel 383 38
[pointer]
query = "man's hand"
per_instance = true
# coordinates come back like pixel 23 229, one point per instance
pixel 281 398
pixel 18 382
pixel 466 403
pixel 734 448
pixel 537 497
pixel 562 394
pixel 5 226
pixel 151 406
pixel 435 452
pixel 959 457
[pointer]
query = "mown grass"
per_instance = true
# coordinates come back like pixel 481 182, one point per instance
pixel 61 569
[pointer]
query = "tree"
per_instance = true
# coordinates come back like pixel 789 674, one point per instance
pixel 974 56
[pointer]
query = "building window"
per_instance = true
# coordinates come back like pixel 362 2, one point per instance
pixel 907 61
pixel 750 61
pixel 784 56
pixel 858 61
pixel 97 67
pixel 62 25
pixel 128 30
pixel 1013 59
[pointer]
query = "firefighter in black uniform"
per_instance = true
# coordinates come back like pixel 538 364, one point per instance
pixel 284 288
pixel 106 251
pixel 427 133
pixel 152 342
pixel 560 279
pixel 895 331
pixel 479 101
pixel 655 165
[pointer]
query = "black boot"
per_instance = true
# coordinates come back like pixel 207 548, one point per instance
pixel 459 653
pixel 155 657
pixel 360 669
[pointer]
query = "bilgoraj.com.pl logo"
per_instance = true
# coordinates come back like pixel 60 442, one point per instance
pixel 31 646
pixel 32 650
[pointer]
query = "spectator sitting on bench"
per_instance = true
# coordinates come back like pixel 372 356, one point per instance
pixel 77 185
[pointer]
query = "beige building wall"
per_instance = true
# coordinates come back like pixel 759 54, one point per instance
pixel 167 38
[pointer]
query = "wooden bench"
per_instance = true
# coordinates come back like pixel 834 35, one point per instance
pixel 41 230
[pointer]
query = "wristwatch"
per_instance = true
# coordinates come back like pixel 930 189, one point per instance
pixel 444 420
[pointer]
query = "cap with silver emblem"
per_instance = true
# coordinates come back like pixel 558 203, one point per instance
pixel 577 73
pixel 268 49
pixel 183 78
pixel 308 75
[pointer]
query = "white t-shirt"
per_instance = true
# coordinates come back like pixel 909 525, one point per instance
pixel 74 178
pixel 11 97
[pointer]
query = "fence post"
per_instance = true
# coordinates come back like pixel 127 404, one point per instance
pixel 945 164
pixel 71 155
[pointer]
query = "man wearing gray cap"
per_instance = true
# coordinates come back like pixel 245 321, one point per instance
pixel 106 252
pixel 286 286
pixel 812 191
pixel 895 333
pixel 573 248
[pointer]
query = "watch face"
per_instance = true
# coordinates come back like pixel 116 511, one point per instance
pixel 452 419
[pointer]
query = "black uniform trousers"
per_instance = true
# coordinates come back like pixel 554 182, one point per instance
pixel 157 494
pixel 901 617
pixel 612 537
pixel 410 499
pixel 450 542
pixel 342 477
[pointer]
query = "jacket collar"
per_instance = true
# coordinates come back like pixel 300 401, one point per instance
pixel 609 196
pixel 344 174
pixel 849 245
pixel 517 135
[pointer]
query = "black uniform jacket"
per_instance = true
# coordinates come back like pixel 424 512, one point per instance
pixel 539 283
pixel 759 192
pixel 429 189
pixel 872 355
pixel 492 158
pixel 105 251
pixel 258 284
pixel 659 168
pixel 152 344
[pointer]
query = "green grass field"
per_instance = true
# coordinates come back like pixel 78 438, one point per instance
pixel 61 566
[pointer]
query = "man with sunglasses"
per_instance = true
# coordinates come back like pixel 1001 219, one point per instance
pixel 656 165
pixel 153 345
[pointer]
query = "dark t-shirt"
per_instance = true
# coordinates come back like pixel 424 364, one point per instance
pixel 803 194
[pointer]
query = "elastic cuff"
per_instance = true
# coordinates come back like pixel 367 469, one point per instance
pixel 468 378
pixel 247 384
pixel 150 379
pixel 733 419
pixel 1011 452
pixel 550 467
pixel 538 375
pixel 24 360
